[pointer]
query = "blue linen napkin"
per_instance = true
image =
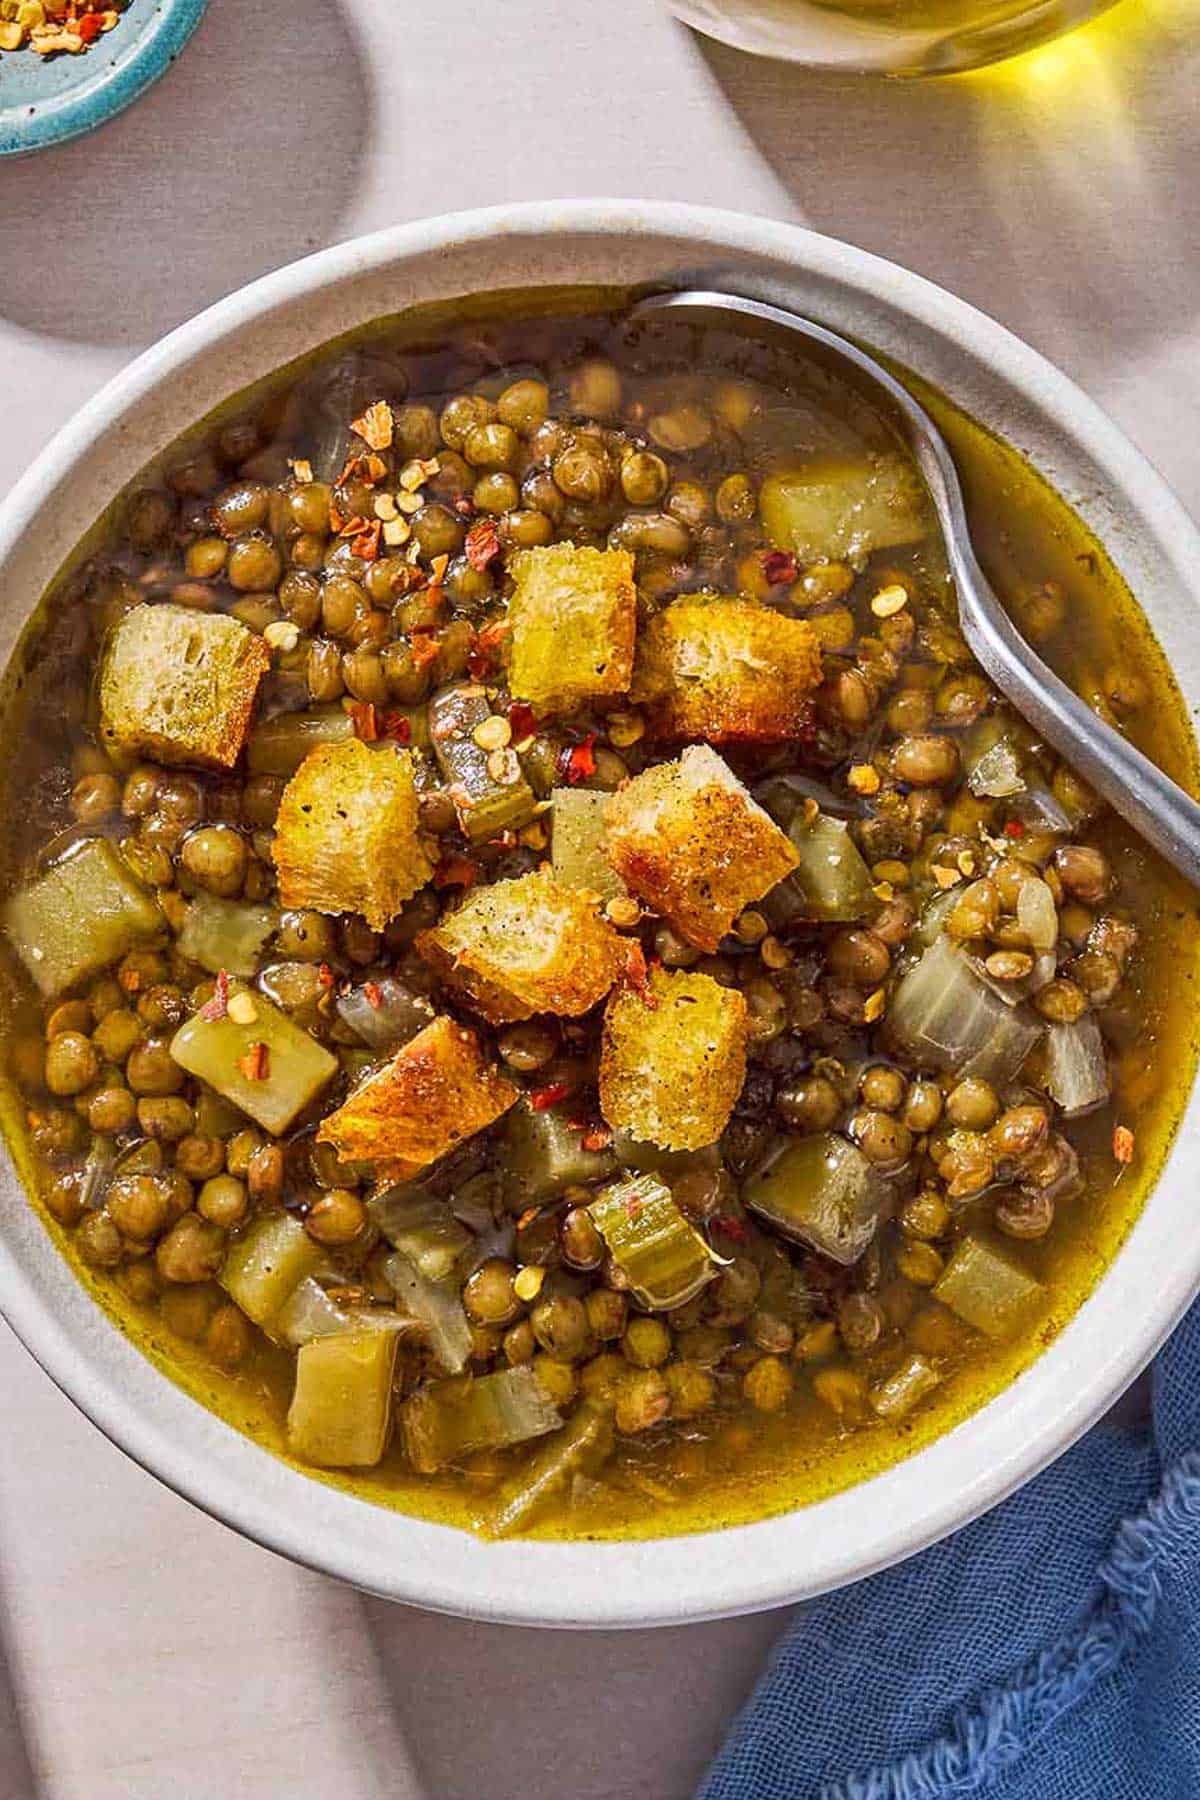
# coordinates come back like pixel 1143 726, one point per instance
pixel 1049 1651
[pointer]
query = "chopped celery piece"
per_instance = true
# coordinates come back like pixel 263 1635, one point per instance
pixel 821 1191
pixel 437 1306
pixel 486 803
pixel 267 1263
pixel 267 1065
pixel 341 1408
pixel 216 1116
pixel 278 746
pixel 583 1444
pixel 934 913
pixel 83 913
pixel 1077 1066
pixel 421 1227
pixel 840 509
pixel 443 1423
pixel 987 1287
pixel 947 1018
pixel 226 934
pixel 544 1153
pixel 651 1159
pixel 384 1013
pixel 831 882
pixel 899 1392
pixel 664 1259
pixel 577 842
pixel 311 1312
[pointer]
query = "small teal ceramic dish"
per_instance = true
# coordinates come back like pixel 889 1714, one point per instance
pixel 46 100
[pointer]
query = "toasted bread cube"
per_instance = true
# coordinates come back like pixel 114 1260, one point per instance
pixel 436 1091
pixel 673 1059
pixel 727 671
pixel 179 686
pixel 346 835
pixel 526 946
pixel 573 619
pixel 686 838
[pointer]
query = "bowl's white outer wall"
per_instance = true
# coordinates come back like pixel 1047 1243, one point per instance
pixel 817 1547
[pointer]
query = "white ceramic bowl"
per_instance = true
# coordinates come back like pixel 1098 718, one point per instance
pixel 1005 384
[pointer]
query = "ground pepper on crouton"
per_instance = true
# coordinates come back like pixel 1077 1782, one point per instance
pixel 727 671
pixel 673 1059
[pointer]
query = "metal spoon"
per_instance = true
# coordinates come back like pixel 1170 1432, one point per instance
pixel 1152 803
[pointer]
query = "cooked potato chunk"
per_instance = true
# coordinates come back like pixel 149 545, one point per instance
pixel 840 509
pixel 687 839
pixel 346 835
pixel 435 1092
pixel 341 1411
pixel 573 616
pixel 179 685
pixel 727 671
pixel 85 911
pixel 526 946
pixel 673 1059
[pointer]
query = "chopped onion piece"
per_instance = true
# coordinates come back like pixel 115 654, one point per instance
pixel 311 1312
pixel 947 1018
pixel 1037 914
pixel 997 773
pixel 97 1173
pixel 1077 1066
pixel 1039 810
pixel 1013 992
pixel 821 1191
pixel 438 1306
pixel 444 1423
pixel 383 1013
pixel 579 1448
pixel 421 1227
pixel 783 796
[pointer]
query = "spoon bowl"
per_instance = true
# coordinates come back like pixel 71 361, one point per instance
pixel 1154 805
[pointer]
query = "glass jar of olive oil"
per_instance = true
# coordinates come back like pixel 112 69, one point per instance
pixel 896 37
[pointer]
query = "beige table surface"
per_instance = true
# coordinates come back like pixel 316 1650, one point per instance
pixel 151 1654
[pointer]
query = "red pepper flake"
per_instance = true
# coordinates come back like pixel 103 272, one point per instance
pixel 578 761
pixel 373 994
pixel 218 1006
pixel 88 27
pixel 455 871
pixel 637 975
pixel 596 1137
pixel 730 1226
pixel 366 544
pixel 131 980
pixel 778 566
pixel 337 522
pixel 464 506
pixel 325 975
pixel 550 1095
pixel 521 718
pixel 424 649
pixel 485 653
pixel 633 1207
pixel 1014 829
pixel 364 720
pixel 483 543
pixel 1122 1144
pixel 397 727
pixel 256 1064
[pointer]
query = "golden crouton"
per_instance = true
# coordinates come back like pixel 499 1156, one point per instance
pixel 673 1060
pixel 526 946
pixel 686 838
pixel 573 620
pixel 346 835
pixel 726 671
pixel 179 686
pixel 436 1091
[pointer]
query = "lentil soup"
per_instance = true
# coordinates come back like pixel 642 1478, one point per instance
pixel 540 981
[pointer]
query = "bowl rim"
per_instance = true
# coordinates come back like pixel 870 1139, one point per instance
pixel 31 125
pixel 712 1574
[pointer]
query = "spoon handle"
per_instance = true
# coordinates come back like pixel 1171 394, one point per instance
pixel 1156 807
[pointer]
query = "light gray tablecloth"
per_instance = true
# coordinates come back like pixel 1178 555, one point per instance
pixel 151 1653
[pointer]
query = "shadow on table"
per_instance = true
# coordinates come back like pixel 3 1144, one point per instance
pixel 1057 192
pixel 605 1715
pixel 17 1781
pixel 243 157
